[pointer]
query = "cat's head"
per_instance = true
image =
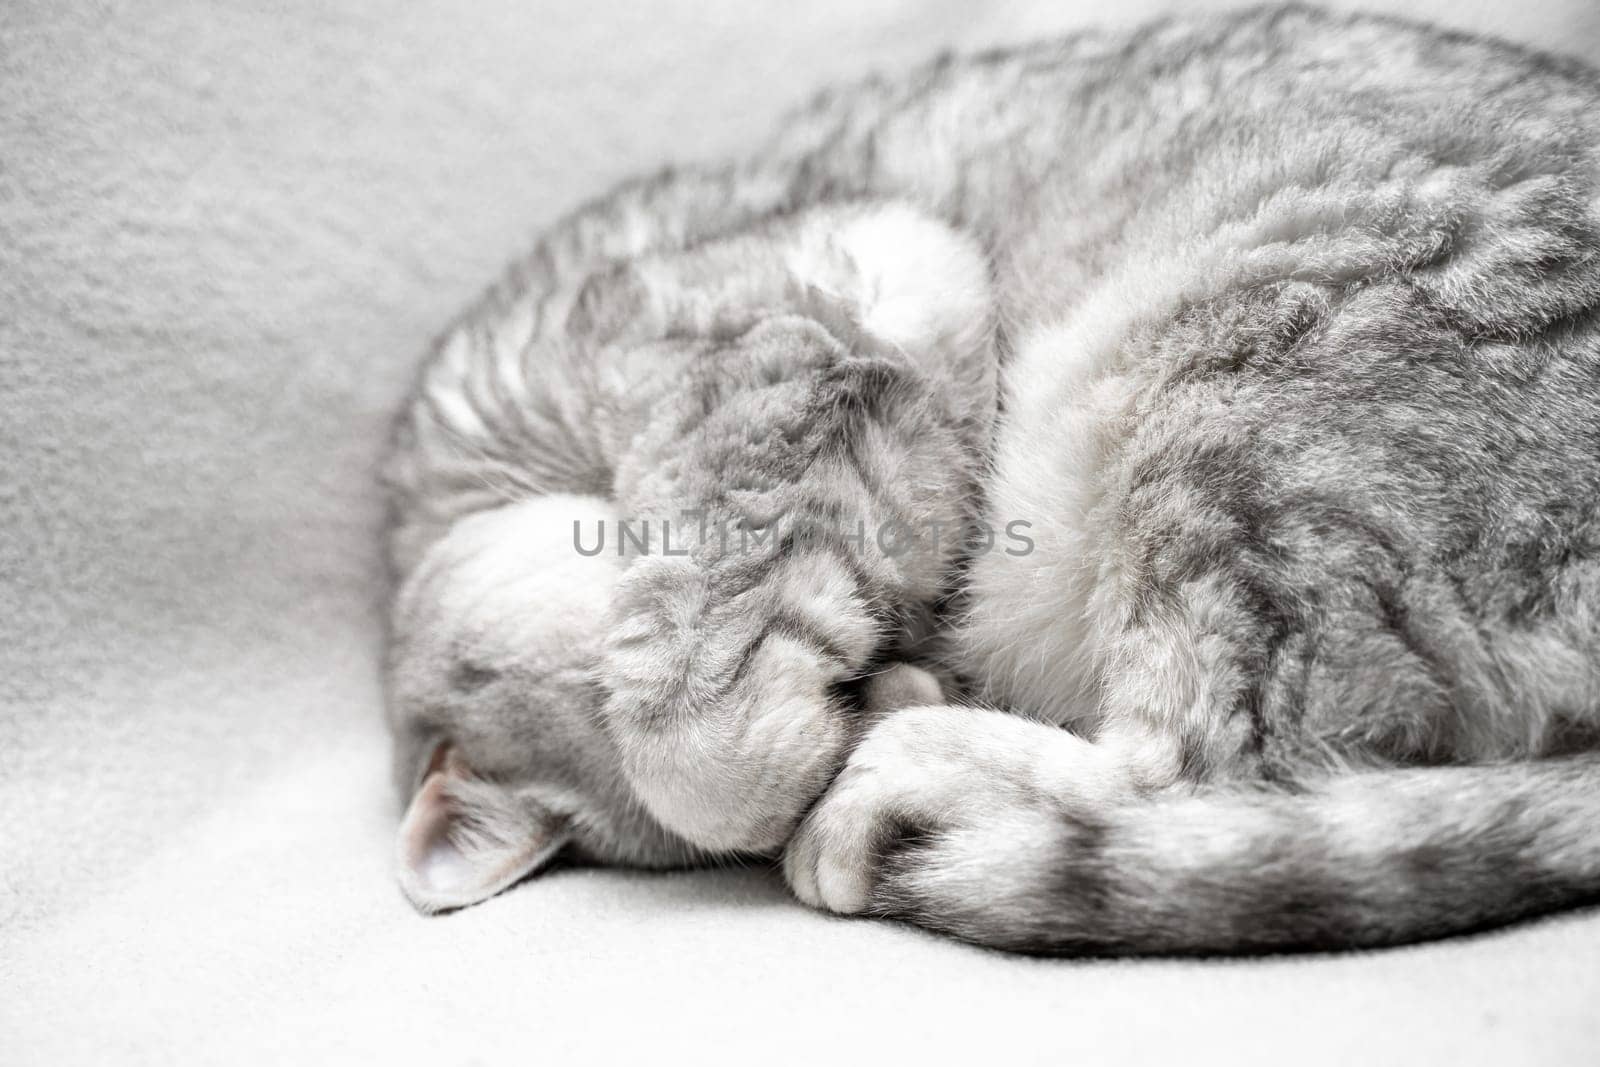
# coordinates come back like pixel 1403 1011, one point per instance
pixel 497 631
pixel 495 708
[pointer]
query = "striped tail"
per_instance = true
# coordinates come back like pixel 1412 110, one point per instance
pixel 1370 859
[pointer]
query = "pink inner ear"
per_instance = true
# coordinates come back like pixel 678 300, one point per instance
pixel 435 864
pixel 440 869
pixel 443 753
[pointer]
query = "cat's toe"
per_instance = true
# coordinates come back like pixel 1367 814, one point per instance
pixel 800 867
pixel 829 861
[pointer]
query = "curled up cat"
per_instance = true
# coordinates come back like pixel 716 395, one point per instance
pixel 1134 493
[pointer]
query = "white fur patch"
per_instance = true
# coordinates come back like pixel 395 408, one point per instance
pixel 914 282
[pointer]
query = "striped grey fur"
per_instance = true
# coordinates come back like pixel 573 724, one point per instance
pixel 1290 321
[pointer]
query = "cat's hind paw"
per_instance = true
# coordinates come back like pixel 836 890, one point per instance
pixel 938 799
pixel 910 775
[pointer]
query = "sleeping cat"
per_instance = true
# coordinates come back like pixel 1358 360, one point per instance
pixel 1279 336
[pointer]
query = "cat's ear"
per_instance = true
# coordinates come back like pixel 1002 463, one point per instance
pixel 464 839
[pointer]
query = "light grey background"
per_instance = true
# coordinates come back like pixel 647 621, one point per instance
pixel 227 231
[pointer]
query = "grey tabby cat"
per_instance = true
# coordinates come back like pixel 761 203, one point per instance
pixel 1279 333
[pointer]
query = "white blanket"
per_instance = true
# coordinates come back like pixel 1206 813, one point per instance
pixel 226 235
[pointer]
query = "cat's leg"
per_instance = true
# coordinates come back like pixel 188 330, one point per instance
pixel 940 807
pixel 789 552
pixel 958 792
pixel 803 487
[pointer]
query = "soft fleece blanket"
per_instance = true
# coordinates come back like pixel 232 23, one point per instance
pixel 227 231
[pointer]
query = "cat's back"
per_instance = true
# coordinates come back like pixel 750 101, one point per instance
pixel 1282 126
pixel 1306 358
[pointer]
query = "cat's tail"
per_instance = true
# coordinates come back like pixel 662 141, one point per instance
pixel 1374 858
